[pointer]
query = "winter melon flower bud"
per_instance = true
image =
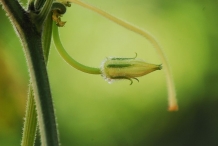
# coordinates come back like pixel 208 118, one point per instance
pixel 126 68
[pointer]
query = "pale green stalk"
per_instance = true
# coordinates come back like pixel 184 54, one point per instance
pixel 170 83
pixel 30 122
pixel 68 58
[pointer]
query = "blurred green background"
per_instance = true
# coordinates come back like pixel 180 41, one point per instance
pixel 92 112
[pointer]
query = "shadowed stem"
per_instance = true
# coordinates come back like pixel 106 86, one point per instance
pixel 170 83
pixel 31 39
pixel 30 123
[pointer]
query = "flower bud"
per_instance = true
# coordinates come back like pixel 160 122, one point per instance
pixel 126 68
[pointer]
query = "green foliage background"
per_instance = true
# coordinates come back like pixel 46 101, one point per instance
pixel 92 112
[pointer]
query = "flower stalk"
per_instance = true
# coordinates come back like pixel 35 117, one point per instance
pixel 172 102
pixel 68 58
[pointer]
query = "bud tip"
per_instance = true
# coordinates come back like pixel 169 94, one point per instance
pixel 160 66
pixel 173 108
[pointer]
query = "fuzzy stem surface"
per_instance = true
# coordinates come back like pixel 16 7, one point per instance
pixel 31 40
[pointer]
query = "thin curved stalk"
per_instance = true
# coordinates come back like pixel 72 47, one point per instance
pixel 170 83
pixel 68 58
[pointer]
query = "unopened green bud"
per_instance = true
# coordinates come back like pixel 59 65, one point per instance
pixel 126 68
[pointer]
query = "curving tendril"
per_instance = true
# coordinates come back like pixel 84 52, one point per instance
pixel 173 106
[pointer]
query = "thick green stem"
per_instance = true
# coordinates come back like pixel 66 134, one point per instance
pixel 15 12
pixel 67 57
pixel 30 124
pixel 42 94
pixel 31 40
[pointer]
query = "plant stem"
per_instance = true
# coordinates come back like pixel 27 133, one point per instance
pixel 42 94
pixel 46 36
pixel 30 123
pixel 170 83
pixel 15 12
pixel 67 57
pixel 31 39
pixel 45 6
